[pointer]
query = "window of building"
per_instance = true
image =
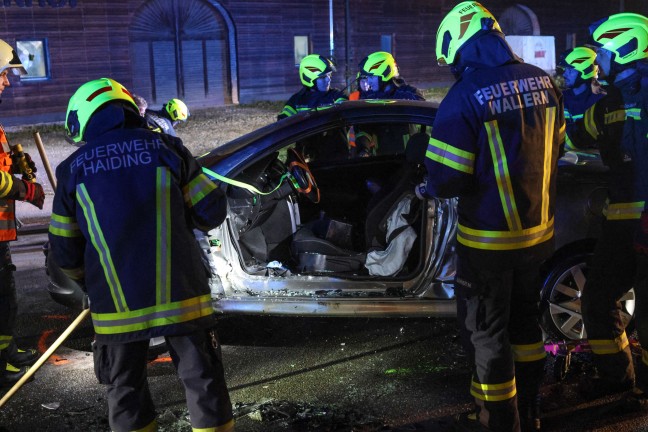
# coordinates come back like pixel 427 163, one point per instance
pixel 302 48
pixel 33 55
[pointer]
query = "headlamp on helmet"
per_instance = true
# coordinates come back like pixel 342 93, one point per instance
pixel 177 110
pixel 380 64
pixel 314 66
pixel 461 24
pixel 582 59
pixel 623 34
pixel 88 99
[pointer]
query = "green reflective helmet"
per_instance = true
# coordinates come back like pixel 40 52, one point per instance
pixel 177 110
pixel 582 59
pixel 314 66
pixel 380 64
pixel 624 34
pixel 460 24
pixel 88 99
pixel 10 60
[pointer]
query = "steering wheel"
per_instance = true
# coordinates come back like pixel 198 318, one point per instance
pixel 301 176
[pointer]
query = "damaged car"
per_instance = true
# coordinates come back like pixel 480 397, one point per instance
pixel 313 231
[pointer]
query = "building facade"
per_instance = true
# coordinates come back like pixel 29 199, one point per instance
pixel 211 53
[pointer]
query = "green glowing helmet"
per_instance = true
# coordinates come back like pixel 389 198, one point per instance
pixel 88 99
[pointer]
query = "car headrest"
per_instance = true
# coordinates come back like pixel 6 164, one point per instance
pixel 417 147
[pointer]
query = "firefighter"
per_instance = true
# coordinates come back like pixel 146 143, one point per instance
pixel 315 74
pixel 495 144
pixel 166 119
pixel 618 126
pixel 379 78
pixel 580 74
pixel 14 362
pixel 126 205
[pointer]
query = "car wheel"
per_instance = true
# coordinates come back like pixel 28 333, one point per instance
pixel 561 316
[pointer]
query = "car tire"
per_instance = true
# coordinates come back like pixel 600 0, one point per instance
pixel 560 307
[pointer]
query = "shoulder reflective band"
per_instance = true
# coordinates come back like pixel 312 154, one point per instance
pixel 247 186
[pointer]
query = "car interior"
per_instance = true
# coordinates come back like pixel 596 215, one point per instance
pixel 314 209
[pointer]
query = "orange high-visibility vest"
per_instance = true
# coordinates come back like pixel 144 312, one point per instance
pixel 7 206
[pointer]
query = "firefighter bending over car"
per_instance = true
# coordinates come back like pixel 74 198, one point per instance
pixel 126 204
pixel 506 183
pixel 14 362
pixel 166 119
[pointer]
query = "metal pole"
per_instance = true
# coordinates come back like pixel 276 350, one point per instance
pixel 43 358
pixel 332 43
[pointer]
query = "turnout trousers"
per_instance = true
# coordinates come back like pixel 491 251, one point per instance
pixel 613 271
pixel 197 359
pixel 497 306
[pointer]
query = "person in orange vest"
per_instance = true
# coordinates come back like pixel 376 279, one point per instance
pixel 14 362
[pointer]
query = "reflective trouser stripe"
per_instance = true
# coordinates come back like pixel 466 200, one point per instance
pixel 623 211
pixel 493 392
pixel 5 341
pixel 229 426
pixel 151 427
pixel 609 346
pixel 529 352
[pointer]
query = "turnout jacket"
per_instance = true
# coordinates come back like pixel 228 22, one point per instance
pixel 122 223
pixel 618 125
pixel 575 107
pixel 495 143
pixel 308 99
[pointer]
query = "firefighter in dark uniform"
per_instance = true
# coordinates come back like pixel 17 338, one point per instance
pixel 124 212
pixel 379 78
pixel 495 144
pixel 315 75
pixel 14 362
pixel 582 89
pixel 166 119
pixel 618 124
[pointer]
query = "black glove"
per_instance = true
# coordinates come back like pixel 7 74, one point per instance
pixel 33 194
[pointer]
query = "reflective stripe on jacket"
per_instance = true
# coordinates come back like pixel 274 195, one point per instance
pixel 123 218
pixel 495 144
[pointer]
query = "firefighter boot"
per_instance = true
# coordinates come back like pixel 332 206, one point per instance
pixel 17 357
pixel 9 375
pixel 468 422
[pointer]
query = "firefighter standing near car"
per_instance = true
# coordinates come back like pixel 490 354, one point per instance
pixel 495 144
pixel 618 124
pixel 14 362
pixel 379 78
pixel 582 89
pixel 315 73
pixel 166 119
pixel 126 205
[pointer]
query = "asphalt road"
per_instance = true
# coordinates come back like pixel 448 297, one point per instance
pixel 285 374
